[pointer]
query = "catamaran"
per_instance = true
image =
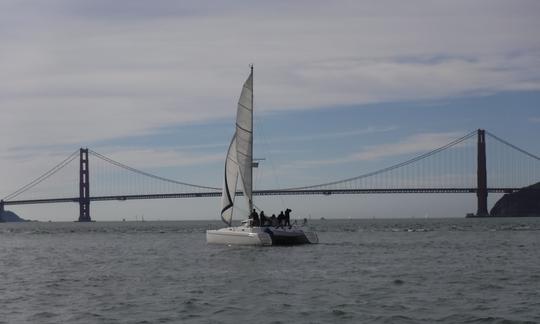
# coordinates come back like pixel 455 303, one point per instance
pixel 239 164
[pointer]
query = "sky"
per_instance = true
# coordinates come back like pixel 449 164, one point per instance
pixel 341 88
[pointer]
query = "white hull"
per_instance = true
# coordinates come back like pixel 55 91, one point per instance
pixel 245 235
pixel 241 235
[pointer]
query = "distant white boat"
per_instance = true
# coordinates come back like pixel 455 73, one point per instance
pixel 239 164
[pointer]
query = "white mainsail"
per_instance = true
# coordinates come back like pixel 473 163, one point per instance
pixel 240 154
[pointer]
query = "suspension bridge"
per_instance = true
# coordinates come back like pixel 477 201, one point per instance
pixel 478 163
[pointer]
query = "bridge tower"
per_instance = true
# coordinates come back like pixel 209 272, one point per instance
pixel 84 187
pixel 481 175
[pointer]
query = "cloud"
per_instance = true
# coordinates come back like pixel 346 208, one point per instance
pixel 534 119
pixel 131 67
pixel 75 72
pixel 332 135
pixel 414 144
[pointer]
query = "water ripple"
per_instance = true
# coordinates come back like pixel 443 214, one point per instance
pixel 378 271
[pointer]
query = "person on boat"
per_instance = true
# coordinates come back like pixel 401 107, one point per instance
pixel 287 218
pixel 254 218
pixel 263 218
pixel 281 219
pixel 273 220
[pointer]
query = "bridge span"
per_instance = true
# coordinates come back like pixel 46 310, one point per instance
pixel 261 193
pixel 461 166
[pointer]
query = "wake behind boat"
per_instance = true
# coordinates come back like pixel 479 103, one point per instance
pixel 239 164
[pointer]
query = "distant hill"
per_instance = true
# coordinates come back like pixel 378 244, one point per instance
pixel 9 216
pixel 523 203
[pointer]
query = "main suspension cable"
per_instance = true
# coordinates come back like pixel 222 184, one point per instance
pixel 126 167
pixel 43 177
pixel 415 159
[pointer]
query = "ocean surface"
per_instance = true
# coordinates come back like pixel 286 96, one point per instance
pixel 363 271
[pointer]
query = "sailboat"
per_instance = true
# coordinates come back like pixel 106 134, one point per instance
pixel 239 166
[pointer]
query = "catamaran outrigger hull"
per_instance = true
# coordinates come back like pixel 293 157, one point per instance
pixel 294 236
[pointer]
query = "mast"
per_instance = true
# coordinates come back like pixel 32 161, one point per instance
pixel 239 161
pixel 252 137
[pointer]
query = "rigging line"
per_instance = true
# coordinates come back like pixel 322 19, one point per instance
pixel 123 166
pixel 415 159
pixel 43 177
pixel 513 146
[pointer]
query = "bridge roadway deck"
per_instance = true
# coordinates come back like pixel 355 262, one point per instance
pixel 326 192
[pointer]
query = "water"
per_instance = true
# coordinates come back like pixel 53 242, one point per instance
pixel 379 271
